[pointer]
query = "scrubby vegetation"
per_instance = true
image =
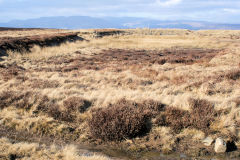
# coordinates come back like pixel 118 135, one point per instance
pixel 123 120
pixel 200 117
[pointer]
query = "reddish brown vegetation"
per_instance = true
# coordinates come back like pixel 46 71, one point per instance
pixel 175 118
pixel 229 75
pixel 16 99
pixel 10 71
pixel 26 100
pixel 237 101
pixel 68 112
pixel 38 83
pixel 76 104
pixel 233 75
pixel 125 57
pixel 202 114
pixel 177 55
pixel 55 112
pixel 124 119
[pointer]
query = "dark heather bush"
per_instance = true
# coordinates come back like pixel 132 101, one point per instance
pixel 234 75
pixel 78 104
pixel 124 119
pixel 176 118
pixel 231 75
pixel 10 71
pixel 55 112
pixel 237 101
pixel 17 99
pixel 6 98
pixel 44 103
pixel 25 100
pixel 201 116
pixel 50 107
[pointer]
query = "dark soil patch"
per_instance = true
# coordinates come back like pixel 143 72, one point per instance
pixel 21 44
pixel 107 32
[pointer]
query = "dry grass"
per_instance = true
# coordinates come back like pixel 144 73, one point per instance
pixel 56 90
pixel 10 150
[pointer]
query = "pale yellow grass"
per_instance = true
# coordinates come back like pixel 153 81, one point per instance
pixel 134 41
pixel 26 151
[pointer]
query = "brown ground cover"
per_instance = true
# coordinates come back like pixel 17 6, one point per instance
pixel 131 57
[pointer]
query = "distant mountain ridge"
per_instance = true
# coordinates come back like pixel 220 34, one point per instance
pixel 85 22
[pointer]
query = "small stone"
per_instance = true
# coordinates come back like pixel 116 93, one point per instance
pixel 208 141
pixel 220 146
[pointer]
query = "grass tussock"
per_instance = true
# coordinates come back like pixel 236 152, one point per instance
pixel 122 120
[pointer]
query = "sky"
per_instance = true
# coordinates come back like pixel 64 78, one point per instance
pixel 221 11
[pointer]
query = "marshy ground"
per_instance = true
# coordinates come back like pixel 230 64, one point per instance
pixel 141 91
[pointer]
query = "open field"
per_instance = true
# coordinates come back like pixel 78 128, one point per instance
pixel 136 90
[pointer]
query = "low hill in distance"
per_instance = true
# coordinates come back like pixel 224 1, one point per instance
pixel 84 22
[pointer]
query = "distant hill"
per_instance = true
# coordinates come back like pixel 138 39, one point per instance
pixel 84 22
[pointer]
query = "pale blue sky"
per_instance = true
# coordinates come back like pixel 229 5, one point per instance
pixel 224 11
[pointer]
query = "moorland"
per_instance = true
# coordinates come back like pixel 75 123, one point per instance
pixel 127 93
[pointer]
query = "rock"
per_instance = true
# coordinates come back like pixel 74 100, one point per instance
pixel 208 141
pixel 220 146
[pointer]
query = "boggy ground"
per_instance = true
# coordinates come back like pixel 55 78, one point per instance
pixel 141 91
